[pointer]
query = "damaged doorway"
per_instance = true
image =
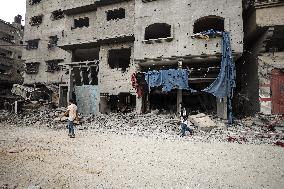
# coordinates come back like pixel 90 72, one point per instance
pixel 123 102
pixel 84 78
pixel 63 95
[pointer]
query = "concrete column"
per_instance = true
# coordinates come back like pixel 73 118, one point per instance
pixel 70 83
pixel 222 108
pixel 89 70
pixel 16 107
pixel 179 92
pixel 139 103
pixel 103 105
pixel 81 75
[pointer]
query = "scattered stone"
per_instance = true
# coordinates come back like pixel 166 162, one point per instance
pixel 34 187
pixel 16 150
pixel 251 130
pixel 202 121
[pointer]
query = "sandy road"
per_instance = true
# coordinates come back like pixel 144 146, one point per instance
pixel 104 160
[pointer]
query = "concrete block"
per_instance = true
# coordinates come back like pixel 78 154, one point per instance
pixel 202 121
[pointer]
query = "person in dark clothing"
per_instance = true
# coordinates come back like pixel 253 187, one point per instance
pixel 184 126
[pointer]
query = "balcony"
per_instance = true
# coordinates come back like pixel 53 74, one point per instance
pixel 86 36
pixel 173 49
pixel 75 8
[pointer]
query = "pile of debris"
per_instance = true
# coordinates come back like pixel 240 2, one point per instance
pixel 43 116
pixel 252 130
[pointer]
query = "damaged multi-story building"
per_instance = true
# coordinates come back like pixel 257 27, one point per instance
pixel 93 50
pixel 11 63
pixel 263 64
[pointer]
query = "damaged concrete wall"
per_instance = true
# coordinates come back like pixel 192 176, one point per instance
pixel 114 81
pixel 47 28
pixel 99 28
pixel 270 16
pixel 266 63
pixel 181 15
pixel 11 63
pixel 263 52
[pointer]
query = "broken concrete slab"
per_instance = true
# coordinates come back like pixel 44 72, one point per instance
pixel 202 121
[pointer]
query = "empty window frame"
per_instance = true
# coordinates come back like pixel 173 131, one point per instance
pixel 8 38
pixel 57 15
pixel 32 44
pixel 52 42
pixel 209 22
pixel 33 2
pixel 115 14
pixel 119 58
pixel 158 30
pixel 32 67
pixel 88 54
pixel 5 53
pixel 52 65
pixel 36 20
pixel 81 22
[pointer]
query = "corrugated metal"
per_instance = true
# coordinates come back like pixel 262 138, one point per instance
pixel 87 98
pixel 277 89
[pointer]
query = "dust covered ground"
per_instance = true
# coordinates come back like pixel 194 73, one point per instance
pixel 100 158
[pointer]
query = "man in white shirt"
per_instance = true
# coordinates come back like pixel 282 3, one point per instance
pixel 73 114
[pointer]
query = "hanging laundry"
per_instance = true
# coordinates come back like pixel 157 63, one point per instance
pixel 168 79
pixel 207 34
pixel 139 83
pixel 153 79
pixel 174 79
pixel 224 85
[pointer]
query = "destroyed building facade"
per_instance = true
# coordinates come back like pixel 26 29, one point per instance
pixel 263 57
pixel 11 63
pixel 90 50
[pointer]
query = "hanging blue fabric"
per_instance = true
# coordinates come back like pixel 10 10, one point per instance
pixel 174 79
pixel 211 33
pixel 168 79
pixel 224 85
pixel 153 79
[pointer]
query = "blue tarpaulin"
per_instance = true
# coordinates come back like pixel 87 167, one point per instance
pixel 168 79
pixel 225 83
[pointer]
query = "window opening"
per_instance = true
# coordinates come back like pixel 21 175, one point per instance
pixel 115 14
pixel 157 30
pixel 36 20
pixel 209 22
pixel 81 22
pixel 119 58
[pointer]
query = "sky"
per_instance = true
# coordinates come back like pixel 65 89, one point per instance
pixel 10 8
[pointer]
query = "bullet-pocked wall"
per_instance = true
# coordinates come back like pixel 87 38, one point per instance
pixel 99 26
pixel 115 80
pixel 43 31
pixel 181 16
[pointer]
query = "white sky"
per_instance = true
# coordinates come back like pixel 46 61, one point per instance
pixel 10 8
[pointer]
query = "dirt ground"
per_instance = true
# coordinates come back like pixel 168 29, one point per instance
pixel 32 156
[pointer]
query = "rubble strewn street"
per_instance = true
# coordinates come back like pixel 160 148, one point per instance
pixel 252 130
pixel 102 156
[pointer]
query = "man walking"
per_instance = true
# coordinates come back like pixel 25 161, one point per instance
pixel 73 114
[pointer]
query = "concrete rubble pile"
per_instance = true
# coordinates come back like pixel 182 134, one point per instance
pixel 257 130
pixel 147 124
pixel 34 117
